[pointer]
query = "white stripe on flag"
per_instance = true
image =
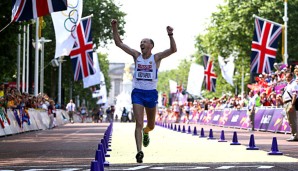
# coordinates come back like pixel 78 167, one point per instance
pixel 50 6
pixel 34 7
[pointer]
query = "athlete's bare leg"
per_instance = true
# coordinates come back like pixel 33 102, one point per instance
pixel 151 113
pixel 139 116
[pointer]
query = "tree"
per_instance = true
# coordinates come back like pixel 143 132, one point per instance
pixel 103 11
pixel 180 75
pixel 231 30
pixel 8 44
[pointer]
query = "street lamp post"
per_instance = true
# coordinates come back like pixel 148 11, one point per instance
pixel 41 84
pixel 60 78
pixel 36 58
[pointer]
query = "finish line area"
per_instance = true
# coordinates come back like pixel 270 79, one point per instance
pixel 72 147
pixel 174 150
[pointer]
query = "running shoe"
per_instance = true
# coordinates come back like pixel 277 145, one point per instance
pixel 140 156
pixel 146 139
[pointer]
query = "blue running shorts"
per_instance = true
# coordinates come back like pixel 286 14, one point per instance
pixel 146 98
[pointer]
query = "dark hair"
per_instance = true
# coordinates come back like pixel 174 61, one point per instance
pixel 151 41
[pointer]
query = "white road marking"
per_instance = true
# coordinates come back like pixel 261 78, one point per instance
pixel 265 167
pixel 137 168
pixel 179 168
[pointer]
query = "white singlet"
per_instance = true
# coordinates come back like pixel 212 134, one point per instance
pixel 145 74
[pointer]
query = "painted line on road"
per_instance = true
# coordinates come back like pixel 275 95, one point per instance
pixel 137 168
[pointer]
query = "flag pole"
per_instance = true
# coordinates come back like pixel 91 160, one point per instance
pixel 267 20
pixel 60 79
pixel 24 59
pixel 285 18
pixel 19 59
pixel 91 15
pixel 36 58
pixel 27 60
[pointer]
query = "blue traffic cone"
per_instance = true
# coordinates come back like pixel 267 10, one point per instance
pixel 175 128
pixel 105 147
pixel 107 143
pixel 222 137
pixel 179 129
pixel 105 163
pixel 274 148
pixel 189 130
pixel 202 135
pixel 171 126
pixel 235 140
pixel 195 133
pixel 211 135
pixel 252 145
pixel 99 159
pixel 183 129
pixel 94 166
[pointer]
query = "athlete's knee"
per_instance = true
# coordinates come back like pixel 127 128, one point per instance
pixel 150 127
pixel 139 124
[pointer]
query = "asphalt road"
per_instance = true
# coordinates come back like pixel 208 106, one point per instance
pixel 72 147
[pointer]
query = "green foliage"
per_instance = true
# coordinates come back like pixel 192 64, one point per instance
pixel 180 75
pixel 103 11
pixel 8 44
pixel 231 30
pixel 104 67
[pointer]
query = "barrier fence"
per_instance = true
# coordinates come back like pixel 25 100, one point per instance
pixel 19 121
pixel 266 119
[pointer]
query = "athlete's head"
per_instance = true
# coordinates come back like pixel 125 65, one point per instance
pixel 146 45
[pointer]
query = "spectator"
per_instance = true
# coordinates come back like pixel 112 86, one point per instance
pixel 296 74
pixel 251 109
pixel 52 115
pixel 289 100
pixel 112 112
pixel 100 114
pixel 70 108
pixel 109 115
pixel 95 116
pixel 279 102
pixel 2 90
pixel 264 99
pixel 83 112
pixel 257 99
pixel 11 102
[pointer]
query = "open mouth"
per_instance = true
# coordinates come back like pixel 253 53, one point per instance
pixel 142 47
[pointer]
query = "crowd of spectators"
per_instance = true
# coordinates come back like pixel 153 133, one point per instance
pixel 12 98
pixel 266 91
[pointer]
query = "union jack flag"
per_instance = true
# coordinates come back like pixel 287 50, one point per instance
pixel 210 76
pixel 264 46
pixel 82 52
pixel 30 9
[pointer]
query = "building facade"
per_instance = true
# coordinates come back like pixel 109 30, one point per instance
pixel 116 73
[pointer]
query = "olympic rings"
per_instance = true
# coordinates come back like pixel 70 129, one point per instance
pixel 70 22
pixel 72 34
pixel 69 5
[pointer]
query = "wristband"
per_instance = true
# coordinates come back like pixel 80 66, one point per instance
pixel 170 34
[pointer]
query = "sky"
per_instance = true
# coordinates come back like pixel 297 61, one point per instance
pixel 149 19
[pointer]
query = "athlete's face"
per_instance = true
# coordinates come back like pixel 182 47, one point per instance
pixel 146 45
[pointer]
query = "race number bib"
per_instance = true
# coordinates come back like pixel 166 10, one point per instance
pixel 143 75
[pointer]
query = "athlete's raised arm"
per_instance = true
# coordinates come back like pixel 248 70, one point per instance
pixel 119 42
pixel 159 56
